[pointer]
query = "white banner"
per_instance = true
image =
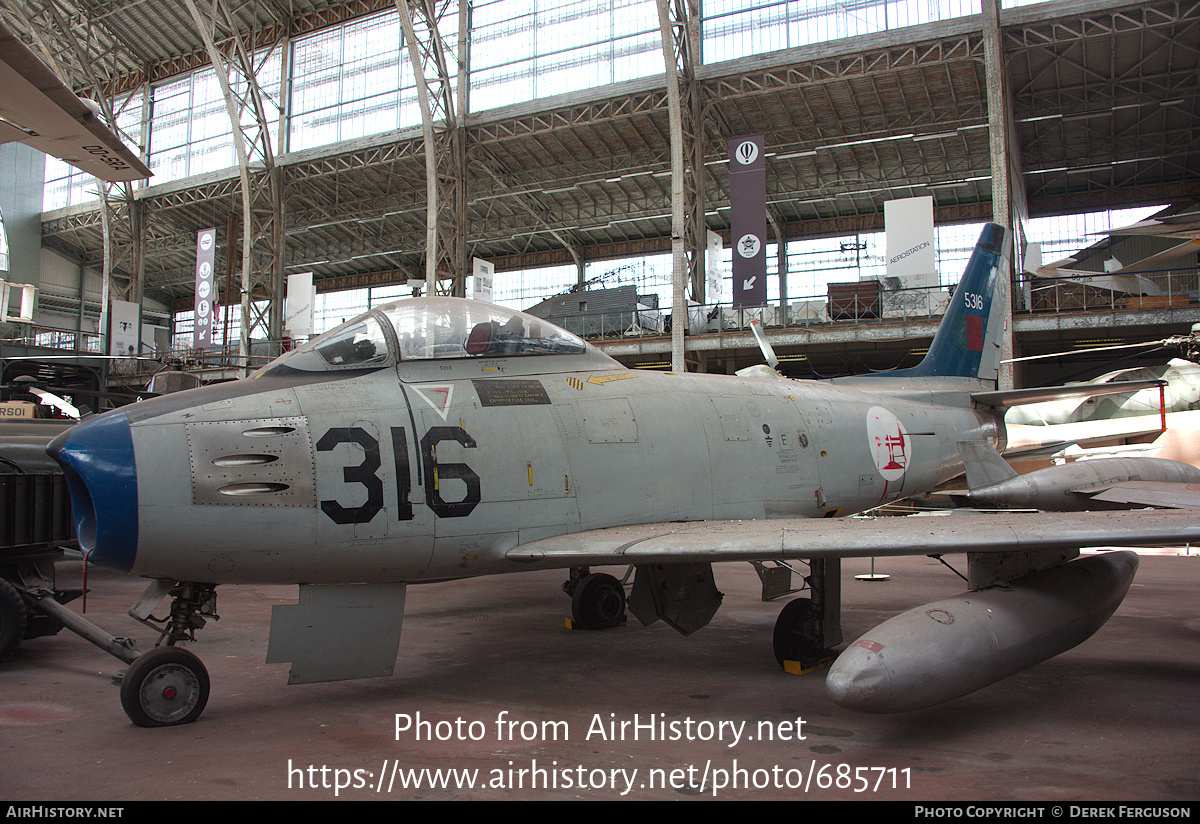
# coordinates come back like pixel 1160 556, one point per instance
pixel 713 264
pixel 299 306
pixel 911 255
pixel 123 336
pixel 483 274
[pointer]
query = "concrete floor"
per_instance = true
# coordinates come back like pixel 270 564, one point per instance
pixel 1113 719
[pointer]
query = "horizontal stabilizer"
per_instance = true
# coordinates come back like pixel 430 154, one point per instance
pixel 1018 397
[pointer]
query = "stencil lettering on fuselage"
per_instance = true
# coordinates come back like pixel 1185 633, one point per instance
pixel 889 443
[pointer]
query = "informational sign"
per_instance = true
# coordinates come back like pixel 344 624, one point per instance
pixel 24 294
pixel 748 207
pixel 511 392
pixel 298 308
pixel 124 333
pixel 482 274
pixel 910 250
pixel 206 252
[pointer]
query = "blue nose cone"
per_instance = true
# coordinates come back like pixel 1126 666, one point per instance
pixel 97 460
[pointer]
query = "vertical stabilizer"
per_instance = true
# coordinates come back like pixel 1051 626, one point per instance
pixel 967 343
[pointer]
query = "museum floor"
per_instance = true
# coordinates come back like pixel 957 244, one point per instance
pixel 491 688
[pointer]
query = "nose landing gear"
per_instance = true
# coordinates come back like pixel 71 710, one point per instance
pixel 164 687
pixel 169 685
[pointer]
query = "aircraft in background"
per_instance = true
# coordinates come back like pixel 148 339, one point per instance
pixel 37 109
pixel 1180 394
pixel 1127 277
pixel 1097 484
pixel 440 438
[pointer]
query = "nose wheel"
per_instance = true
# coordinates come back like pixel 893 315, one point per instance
pixel 164 687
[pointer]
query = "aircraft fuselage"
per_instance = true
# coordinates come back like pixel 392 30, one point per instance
pixel 427 470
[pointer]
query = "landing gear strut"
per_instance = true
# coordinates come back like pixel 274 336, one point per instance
pixel 169 685
pixel 808 628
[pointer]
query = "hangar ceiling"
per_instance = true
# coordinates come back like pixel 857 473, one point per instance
pixel 1103 94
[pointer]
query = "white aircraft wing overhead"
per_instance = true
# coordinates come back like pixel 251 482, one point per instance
pixel 1183 224
pixel 705 541
pixel 37 109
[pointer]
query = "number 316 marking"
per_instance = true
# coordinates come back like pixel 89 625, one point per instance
pixel 367 474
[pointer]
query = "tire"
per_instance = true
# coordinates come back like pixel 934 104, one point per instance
pixel 164 687
pixel 789 641
pixel 12 618
pixel 598 602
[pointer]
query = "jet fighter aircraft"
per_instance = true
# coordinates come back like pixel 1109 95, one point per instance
pixel 439 438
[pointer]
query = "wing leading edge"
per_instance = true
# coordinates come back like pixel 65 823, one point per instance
pixel 713 541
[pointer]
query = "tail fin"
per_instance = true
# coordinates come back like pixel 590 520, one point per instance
pixel 967 343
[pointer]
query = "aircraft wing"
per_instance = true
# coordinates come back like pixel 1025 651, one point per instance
pixel 1184 224
pixel 37 109
pixel 711 541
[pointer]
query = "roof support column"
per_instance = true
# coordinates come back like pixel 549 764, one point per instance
pixel 262 186
pixel 679 27
pixel 445 143
pixel 1002 141
pixel 123 220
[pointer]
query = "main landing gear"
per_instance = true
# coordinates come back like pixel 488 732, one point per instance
pixel 805 634
pixel 808 629
pixel 169 685
pixel 597 599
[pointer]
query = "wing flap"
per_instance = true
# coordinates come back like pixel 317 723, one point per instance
pixel 713 541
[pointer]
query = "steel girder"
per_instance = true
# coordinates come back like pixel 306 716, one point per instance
pixel 445 158
pixel 261 183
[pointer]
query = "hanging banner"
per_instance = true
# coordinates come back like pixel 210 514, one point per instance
pixel 206 252
pixel 123 328
pixel 713 265
pixel 748 207
pixel 298 308
pixel 483 272
pixel 908 224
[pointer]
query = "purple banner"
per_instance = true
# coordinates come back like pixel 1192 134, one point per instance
pixel 748 202
pixel 206 253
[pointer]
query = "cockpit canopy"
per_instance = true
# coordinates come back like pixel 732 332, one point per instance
pixel 429 328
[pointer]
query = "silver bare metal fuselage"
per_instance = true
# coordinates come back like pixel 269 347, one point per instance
pixel 421 472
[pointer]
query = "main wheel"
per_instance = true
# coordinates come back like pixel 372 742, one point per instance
pixel 12 618
pixel 792 640
pixel 164 687
pixel 598 602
